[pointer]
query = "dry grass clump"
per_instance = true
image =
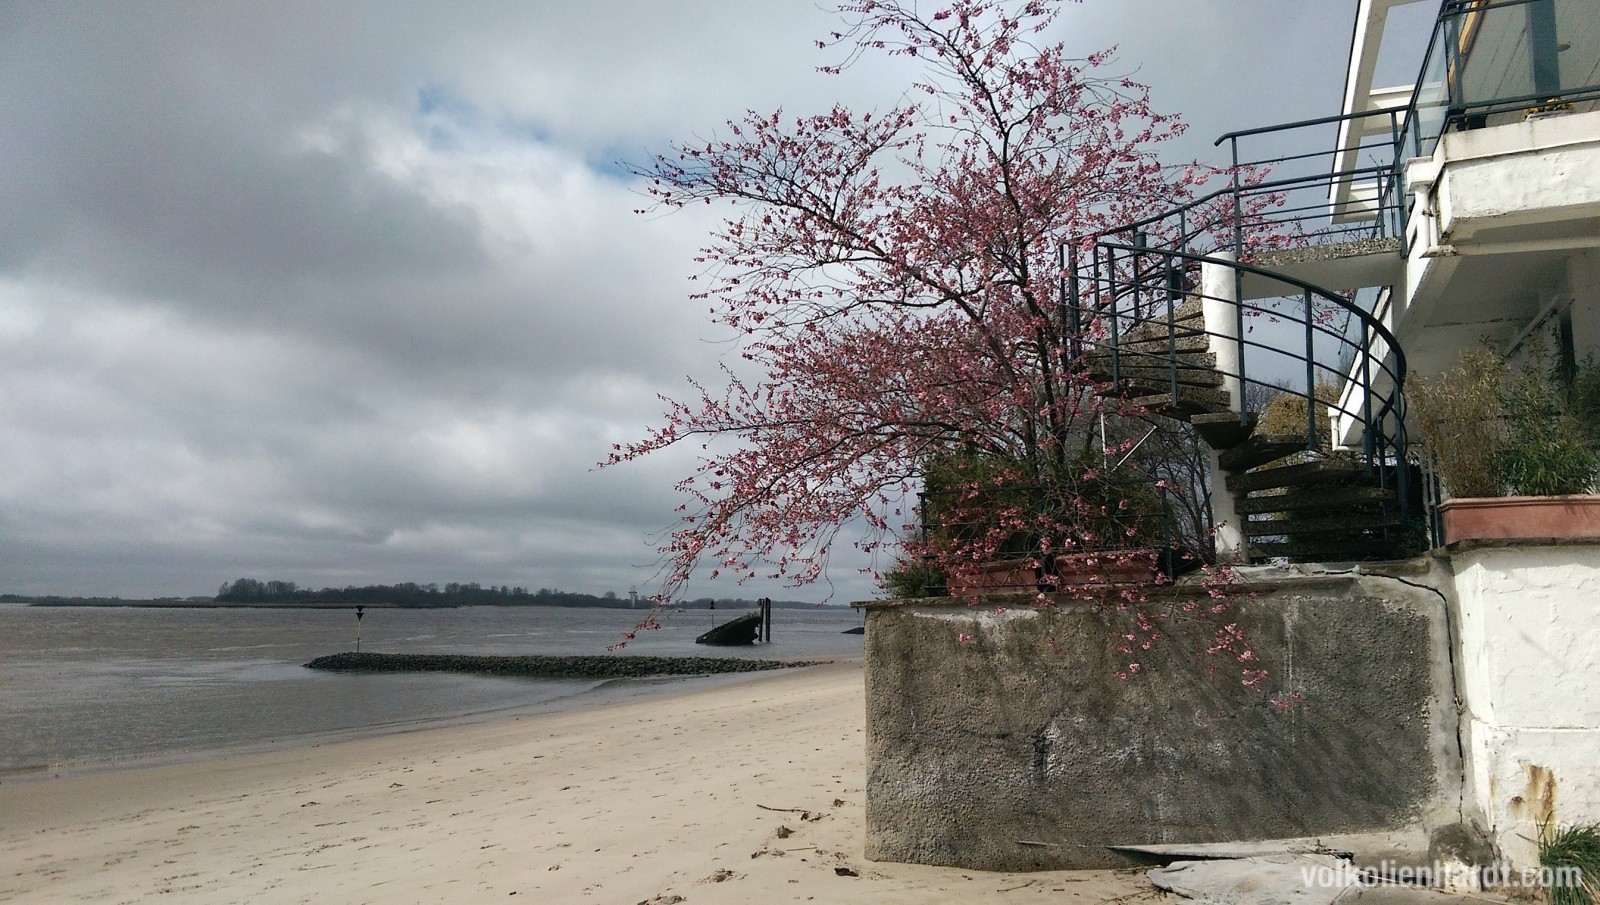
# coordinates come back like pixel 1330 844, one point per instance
pixel 1459 416
pixel 1285 413
pixel 1490 431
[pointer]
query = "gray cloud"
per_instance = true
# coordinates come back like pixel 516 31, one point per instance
pixel 352 292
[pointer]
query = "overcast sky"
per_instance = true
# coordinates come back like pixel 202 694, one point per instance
pixel 350 292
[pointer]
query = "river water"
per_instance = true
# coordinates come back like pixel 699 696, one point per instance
pixel 94 686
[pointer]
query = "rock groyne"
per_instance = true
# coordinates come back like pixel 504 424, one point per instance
pixel 549 667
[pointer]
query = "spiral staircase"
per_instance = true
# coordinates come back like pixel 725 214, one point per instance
pixel 1153 342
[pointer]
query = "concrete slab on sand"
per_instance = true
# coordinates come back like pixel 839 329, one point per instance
pixel 1292 879
pixel 1278 879
pixel 1205 851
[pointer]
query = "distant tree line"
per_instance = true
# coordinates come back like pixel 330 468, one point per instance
pixel 251 590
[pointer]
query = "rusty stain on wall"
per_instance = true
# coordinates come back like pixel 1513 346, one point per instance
pixel 1538 799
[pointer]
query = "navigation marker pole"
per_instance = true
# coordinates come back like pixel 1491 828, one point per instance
pixel 358 628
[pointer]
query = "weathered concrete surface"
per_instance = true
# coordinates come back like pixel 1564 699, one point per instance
pixel 1400 894
pixel 1285 879
pixel 1004 740
pixel 1529 626
pixel 1222 851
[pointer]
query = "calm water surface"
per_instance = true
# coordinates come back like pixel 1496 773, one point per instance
pixel 94 685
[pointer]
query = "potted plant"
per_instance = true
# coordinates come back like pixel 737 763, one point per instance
pixel 1518 452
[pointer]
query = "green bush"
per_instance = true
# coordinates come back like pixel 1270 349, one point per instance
pixel 907 579
pixel 1285 413
pixel 1586 400
pixel 978 506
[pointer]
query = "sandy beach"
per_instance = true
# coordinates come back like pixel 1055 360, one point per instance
pixel 750 792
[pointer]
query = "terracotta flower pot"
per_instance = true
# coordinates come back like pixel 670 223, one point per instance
pixel 1075 569
pixel 1135 567
pixel 998 577
pixel 1521 518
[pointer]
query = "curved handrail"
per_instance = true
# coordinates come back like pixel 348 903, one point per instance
pixel 1155 218
pixel 1378 440
pixel 1149 262
pixel 1379 414
pixel 1282 127
pixel 1366 319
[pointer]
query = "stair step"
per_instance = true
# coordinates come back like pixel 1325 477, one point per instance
pixel 1189 317
pixel 1183 343
pixel 1293 475
pixel 1326 551
pixel 1314 499
pixel 1208 398
pixel 1160 376
pixel 1224 430
pixel 1148 339
pixel 1158 330
pixel 1334 525
pixel 1182 408
pixel 1191 309
pixel 1261 449
pixel 1156 355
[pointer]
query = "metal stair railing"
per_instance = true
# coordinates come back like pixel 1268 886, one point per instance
pixel 1253 213
pixel 1141 272
pixel 1465 84
pixel 1378 401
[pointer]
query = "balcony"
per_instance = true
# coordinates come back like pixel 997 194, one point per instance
pixel 1493 63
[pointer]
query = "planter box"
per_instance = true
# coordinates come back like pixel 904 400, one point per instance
pixel 1521 518
pixel 1075 569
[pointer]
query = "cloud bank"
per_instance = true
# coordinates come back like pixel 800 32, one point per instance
pixel 352 293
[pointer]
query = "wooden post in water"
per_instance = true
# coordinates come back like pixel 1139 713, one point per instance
pixel 766 618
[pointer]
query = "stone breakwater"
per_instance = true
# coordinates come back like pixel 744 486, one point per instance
pixel 586 667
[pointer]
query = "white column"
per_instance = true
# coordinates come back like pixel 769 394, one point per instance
pixel 1220 303
pixel 1229 535
pixel 1219 292
pixel 1585 277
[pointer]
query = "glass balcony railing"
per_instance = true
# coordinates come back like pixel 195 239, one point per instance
pixel 1497 61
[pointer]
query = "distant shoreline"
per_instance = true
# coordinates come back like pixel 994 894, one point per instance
pixel 239 605
pixel 271 605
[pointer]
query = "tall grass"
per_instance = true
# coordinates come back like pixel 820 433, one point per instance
pixel 1576 847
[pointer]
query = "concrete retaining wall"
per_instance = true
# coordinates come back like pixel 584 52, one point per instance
pixel 1004 740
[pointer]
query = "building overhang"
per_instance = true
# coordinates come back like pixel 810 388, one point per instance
pixel 1347 199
